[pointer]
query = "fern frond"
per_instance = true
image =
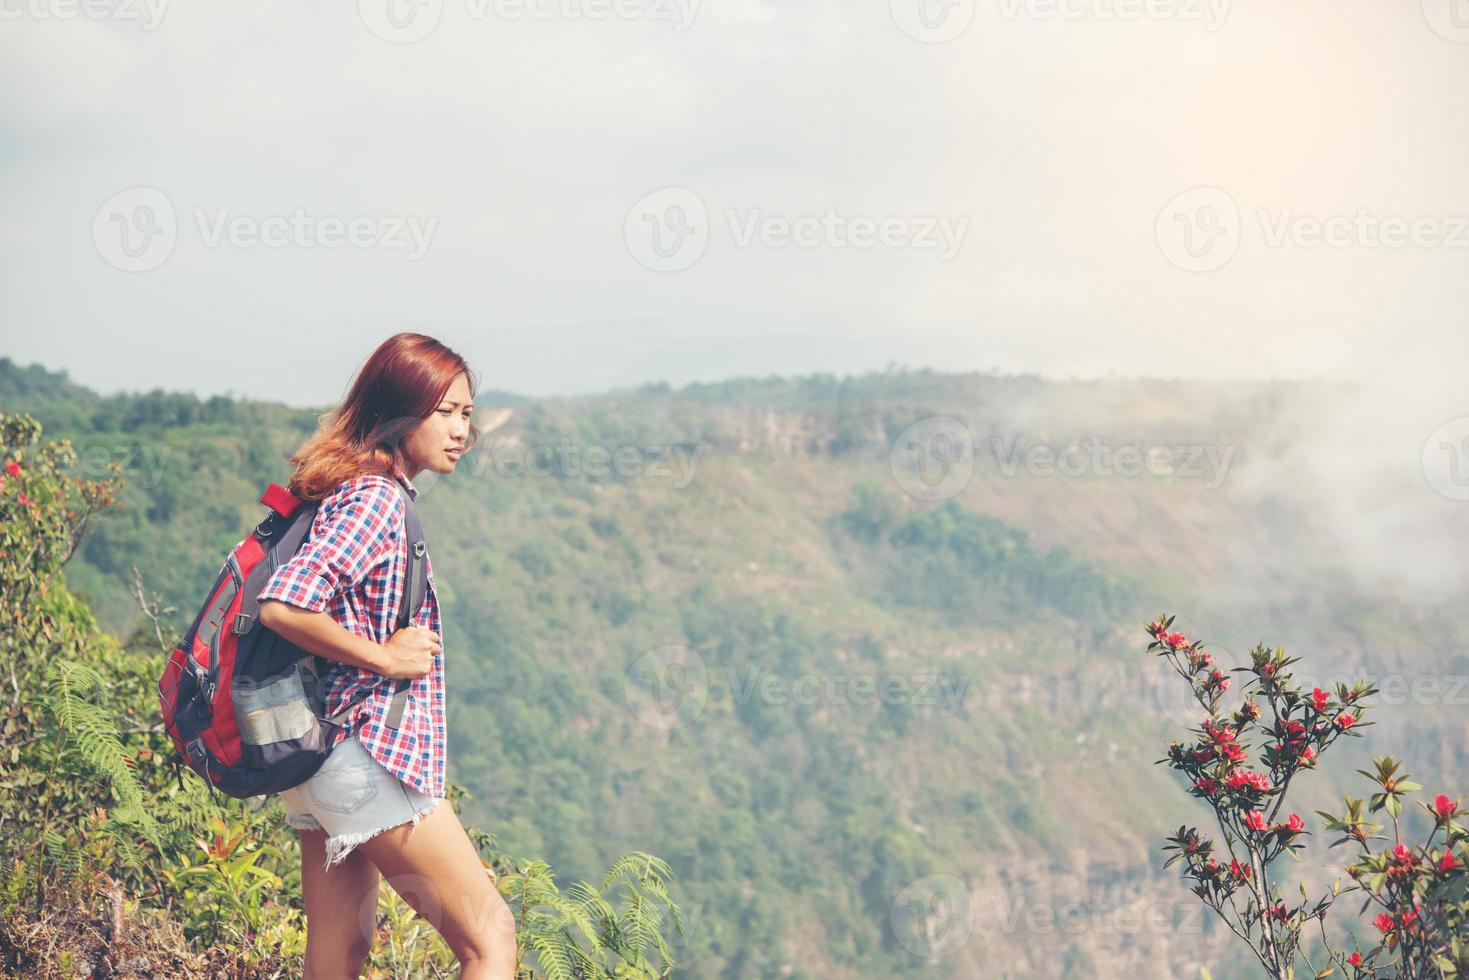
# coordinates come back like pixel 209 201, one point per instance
pixel 92 732
pixel 554 956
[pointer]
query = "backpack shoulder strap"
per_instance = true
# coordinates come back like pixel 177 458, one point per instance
pixel 415 590
pixel 292 531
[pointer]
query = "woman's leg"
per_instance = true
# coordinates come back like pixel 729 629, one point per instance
pixel 437 871
pixel 341 909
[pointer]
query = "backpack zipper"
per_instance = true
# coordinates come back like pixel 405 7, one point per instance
pixel 196 746
pixel 211 682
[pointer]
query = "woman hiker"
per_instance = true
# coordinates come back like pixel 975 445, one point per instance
pixel 373 807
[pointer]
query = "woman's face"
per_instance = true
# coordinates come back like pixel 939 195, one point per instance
pixel 438 441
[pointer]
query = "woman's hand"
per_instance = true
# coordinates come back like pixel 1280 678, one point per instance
pixel 409 652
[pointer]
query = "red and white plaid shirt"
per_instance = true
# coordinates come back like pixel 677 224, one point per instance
pixel 354 565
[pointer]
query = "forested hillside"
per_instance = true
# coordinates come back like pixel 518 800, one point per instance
pixel 823 653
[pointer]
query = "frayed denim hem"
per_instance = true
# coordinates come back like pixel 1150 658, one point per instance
pixel 302 821
pixel 339 847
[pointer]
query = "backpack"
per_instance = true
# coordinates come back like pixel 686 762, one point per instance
pixel 245 707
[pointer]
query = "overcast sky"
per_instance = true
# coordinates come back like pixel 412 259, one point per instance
pixel 587 194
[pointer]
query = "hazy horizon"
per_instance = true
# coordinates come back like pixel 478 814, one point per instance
pixel 108 390
pixel 672 190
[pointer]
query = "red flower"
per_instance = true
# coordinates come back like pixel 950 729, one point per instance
pixel 1355 959
pixel 1447 863
pixel 1308 754
pixel 1221 733
pixel 1237 870
pixel 24 500
pixel 1444 808
pixel 1255 820
pixel 1404 855
pixel 1319 699
pixel 12 467
pixel 1295 824
pixel 1207 786
pixel 1234 753
pixel 1244 778
pixel 1267 669
pixel 1345 720
pixel 1383 922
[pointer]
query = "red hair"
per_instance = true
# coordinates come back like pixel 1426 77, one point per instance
pixel 400 385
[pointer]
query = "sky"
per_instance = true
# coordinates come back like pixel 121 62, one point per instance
pixel 581 195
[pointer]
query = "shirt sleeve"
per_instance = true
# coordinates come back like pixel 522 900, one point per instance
pixel 356 529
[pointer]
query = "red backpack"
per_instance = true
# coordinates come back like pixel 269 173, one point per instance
pixel 243 705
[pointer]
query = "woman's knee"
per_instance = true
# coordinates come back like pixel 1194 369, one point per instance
pixel 328 960
pixel 359 946
pixel 484 931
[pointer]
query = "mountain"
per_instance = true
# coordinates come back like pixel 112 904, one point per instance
pixel 861 657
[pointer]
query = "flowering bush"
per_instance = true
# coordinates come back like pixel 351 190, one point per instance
pixel 1422 893
pixel 1422 890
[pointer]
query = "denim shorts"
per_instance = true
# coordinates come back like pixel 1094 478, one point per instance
pixel 352 797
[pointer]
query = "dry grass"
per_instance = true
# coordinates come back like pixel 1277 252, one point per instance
pixel 94 939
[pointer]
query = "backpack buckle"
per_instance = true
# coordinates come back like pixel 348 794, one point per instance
pixel 242 624
pixel 198 751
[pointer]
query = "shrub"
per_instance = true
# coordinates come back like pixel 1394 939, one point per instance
pixel 1423 890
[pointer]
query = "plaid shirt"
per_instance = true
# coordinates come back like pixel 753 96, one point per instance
pixel 354 565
